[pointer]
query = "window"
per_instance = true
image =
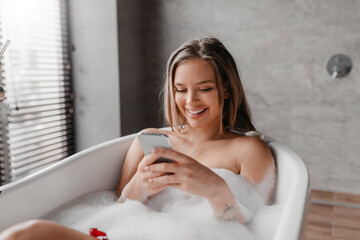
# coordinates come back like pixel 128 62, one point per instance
pixel 36 119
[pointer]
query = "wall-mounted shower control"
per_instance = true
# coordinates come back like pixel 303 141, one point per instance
pixel 339 66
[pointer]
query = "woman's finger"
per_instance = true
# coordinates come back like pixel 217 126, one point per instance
pixel 170 154
pixel 162 168
pixel 147 183
pixel 167 179
pixel 148 160
pixel 151 174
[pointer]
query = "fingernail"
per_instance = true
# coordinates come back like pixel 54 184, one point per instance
pixel 151 180
pixel 147 168
pixel 155 150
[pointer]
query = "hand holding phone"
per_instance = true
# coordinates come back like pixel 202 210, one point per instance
pixel 149 141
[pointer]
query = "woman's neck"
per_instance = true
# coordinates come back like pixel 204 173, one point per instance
pixel 204 134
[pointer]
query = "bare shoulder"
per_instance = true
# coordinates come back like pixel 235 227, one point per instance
pixel 252 145
pixel 255 157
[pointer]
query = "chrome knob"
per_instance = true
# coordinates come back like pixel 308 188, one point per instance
pixel 339 66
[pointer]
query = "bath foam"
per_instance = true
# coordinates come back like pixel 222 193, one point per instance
pixel 173 214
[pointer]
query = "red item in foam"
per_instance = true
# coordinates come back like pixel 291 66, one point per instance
pixel 98 234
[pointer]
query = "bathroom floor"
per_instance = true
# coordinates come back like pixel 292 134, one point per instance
pixel 333 216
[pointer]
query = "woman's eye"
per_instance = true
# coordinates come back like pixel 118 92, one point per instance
pixel 180 90
pixel 205 89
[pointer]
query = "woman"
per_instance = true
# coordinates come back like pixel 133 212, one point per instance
pixel 203 103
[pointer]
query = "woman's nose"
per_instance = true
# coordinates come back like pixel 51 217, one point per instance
pixel 191 97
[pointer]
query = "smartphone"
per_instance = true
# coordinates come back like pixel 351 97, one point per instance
pixel 148 141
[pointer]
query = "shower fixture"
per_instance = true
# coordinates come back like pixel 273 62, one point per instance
pixel 339 66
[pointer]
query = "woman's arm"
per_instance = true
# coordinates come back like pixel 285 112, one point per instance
pixel 257 162
pixel 134 180
pixel 225 206
pixel 195 178
pixel 131 162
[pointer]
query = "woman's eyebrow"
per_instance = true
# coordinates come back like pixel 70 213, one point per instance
pixel 199 83
pixel 205 81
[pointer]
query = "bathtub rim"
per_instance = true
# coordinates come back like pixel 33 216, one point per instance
pixel 298 203
pixel 12 186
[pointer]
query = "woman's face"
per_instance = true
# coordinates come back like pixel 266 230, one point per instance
pixel 196 94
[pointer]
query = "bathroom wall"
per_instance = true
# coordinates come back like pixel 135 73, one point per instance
pixel 141 67
pixel 93 32
pixel 281 48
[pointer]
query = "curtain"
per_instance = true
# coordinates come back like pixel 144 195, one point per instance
pixel 36 118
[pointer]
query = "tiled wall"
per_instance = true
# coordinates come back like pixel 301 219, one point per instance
pixel 281 48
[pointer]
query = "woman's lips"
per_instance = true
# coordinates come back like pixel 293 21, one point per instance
pixel 196 113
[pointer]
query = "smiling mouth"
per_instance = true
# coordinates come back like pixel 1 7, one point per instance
pixel 196 112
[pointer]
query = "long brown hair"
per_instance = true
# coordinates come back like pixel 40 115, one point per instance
pixel 235 111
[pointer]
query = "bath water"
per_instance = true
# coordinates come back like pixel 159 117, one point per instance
pixel 174 214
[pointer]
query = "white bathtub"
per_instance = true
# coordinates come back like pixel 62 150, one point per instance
pixel 98 168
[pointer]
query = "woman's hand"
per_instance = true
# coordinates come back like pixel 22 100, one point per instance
pixel 191 176
pixel 140 186
pixel 184 173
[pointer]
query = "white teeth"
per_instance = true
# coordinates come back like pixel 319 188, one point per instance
pixel 196 112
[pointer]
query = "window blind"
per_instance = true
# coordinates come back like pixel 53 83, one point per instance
pixel 36 118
